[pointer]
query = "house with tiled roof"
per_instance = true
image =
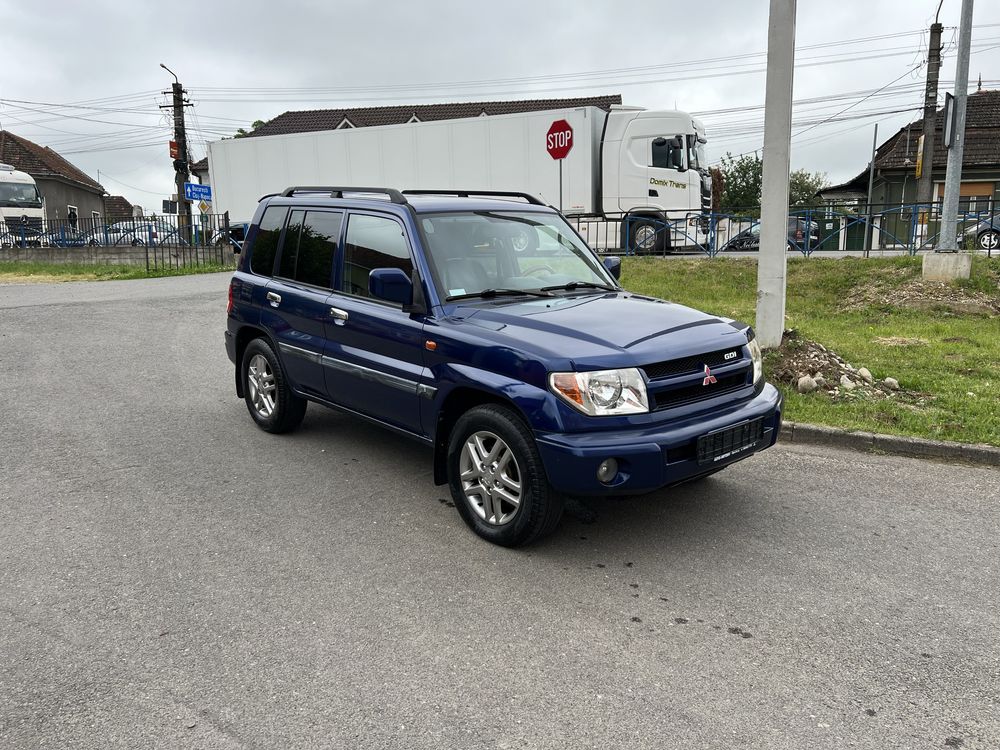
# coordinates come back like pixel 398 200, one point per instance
pixel 896 161
pixel 306 121
pixel 117 208
pixel 65 189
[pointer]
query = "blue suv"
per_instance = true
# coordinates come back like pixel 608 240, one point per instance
pixel 482 325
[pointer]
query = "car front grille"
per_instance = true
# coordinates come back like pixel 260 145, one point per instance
pixel 688 394
pixel 694 363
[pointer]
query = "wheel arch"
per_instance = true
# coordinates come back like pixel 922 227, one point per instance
pixel 456 403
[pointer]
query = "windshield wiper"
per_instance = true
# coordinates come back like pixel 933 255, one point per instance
pixel 490 293
pixel 579 285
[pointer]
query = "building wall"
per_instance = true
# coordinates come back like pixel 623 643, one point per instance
pixel 58 195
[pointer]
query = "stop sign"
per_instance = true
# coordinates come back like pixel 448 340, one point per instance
pixel 559 139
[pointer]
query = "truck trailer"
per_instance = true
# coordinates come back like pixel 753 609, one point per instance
pixel 644 168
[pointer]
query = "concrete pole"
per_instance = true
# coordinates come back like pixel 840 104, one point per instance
pixel 947 240
pixel 925 183
pixel 774 189
pixel 871 187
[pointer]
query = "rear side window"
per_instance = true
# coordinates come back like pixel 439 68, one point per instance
pixel 265 246
pixel 372 242
pixel 309 247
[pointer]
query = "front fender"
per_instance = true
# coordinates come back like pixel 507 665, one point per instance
pixel 538 407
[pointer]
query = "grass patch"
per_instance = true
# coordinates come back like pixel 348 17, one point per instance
pixel 30 272
pixel 951 357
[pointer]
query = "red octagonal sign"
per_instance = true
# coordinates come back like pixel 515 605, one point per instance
pixel 559 139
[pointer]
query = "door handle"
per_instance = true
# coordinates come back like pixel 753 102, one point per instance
pixel 274 299
pixel 337 314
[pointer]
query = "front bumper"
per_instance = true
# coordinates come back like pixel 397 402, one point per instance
pixel 651 457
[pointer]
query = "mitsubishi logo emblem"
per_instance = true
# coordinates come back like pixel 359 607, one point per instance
pixel 709 377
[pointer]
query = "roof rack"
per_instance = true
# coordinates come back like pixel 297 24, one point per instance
pixel 487 193
pixel 338 192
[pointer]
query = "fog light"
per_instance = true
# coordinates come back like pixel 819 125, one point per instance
pixel 608 470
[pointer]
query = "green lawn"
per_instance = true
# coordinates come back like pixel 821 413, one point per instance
pixel 27 271
pixel 952 355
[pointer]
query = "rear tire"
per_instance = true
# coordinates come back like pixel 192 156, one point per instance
pixel 497 479
pixel 269 397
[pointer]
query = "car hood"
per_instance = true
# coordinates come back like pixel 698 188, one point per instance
pixel 608 329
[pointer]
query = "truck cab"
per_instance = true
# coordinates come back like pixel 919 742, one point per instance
pixel 655 173
pixel 21 209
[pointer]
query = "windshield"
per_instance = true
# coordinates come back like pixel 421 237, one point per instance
pixel 19 193
pixel 483 250
pixel 696 153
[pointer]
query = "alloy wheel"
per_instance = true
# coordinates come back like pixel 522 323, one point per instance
pixel 491 478
pixel 260 380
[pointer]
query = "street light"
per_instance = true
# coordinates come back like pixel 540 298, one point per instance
pixel 176 80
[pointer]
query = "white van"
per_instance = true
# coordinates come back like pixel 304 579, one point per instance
pixel 21 212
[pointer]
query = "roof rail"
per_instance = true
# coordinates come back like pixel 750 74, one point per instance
pixel 338 192
pixel 487 193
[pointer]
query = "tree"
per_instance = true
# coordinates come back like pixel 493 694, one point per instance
pixel 803 186
pixel 241 133
pixel 741 178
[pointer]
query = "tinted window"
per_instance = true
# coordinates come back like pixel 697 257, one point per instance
pixel 310 243
pixel 665 154
pixel 372 242
pixel 265 247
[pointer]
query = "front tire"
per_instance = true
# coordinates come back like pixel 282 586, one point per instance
pixel 497 479
pixel 269 397
pixel 647 236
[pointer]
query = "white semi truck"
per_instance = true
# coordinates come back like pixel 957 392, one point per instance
pixel 644 167
pixel 21 210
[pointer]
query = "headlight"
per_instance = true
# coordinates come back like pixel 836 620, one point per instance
pixel 602 393
pixel 756 355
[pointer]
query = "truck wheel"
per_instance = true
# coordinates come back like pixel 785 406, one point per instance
pixel 497 479
pixel 270 400
pixel 647 236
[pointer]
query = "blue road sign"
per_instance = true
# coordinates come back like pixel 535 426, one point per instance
pixel 194 191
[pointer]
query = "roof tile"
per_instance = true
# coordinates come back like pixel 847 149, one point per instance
pixel 41 161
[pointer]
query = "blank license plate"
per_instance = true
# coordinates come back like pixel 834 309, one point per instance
pixel 730 442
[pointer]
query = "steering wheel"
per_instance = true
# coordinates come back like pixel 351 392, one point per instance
pixel 543 268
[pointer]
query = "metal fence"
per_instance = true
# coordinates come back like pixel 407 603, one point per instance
pixel 156 241
pixel 901 229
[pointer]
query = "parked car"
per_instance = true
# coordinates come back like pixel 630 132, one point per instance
pixel 749 239
pixel 985 234
pixel 142 231
pixel 234 237
pixel 531 375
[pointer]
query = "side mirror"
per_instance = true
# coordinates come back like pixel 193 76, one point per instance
pixel 391 284
pixel 613 264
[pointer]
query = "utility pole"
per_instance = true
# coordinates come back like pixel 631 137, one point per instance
pixel 771 265
pixel 181 166
pixel 871 186
pixel 947 240
pixel 925 180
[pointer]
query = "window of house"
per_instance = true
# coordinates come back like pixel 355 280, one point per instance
pixel 372 242
pixel 309 246
pixel 265 245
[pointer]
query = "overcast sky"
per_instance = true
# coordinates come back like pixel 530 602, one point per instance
pixel 242 61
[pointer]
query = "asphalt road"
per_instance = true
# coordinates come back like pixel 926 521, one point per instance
pixel 170 576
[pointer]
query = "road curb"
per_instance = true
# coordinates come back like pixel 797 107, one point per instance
pixel 870 442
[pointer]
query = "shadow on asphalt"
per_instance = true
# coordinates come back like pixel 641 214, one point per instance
pixel 713 511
